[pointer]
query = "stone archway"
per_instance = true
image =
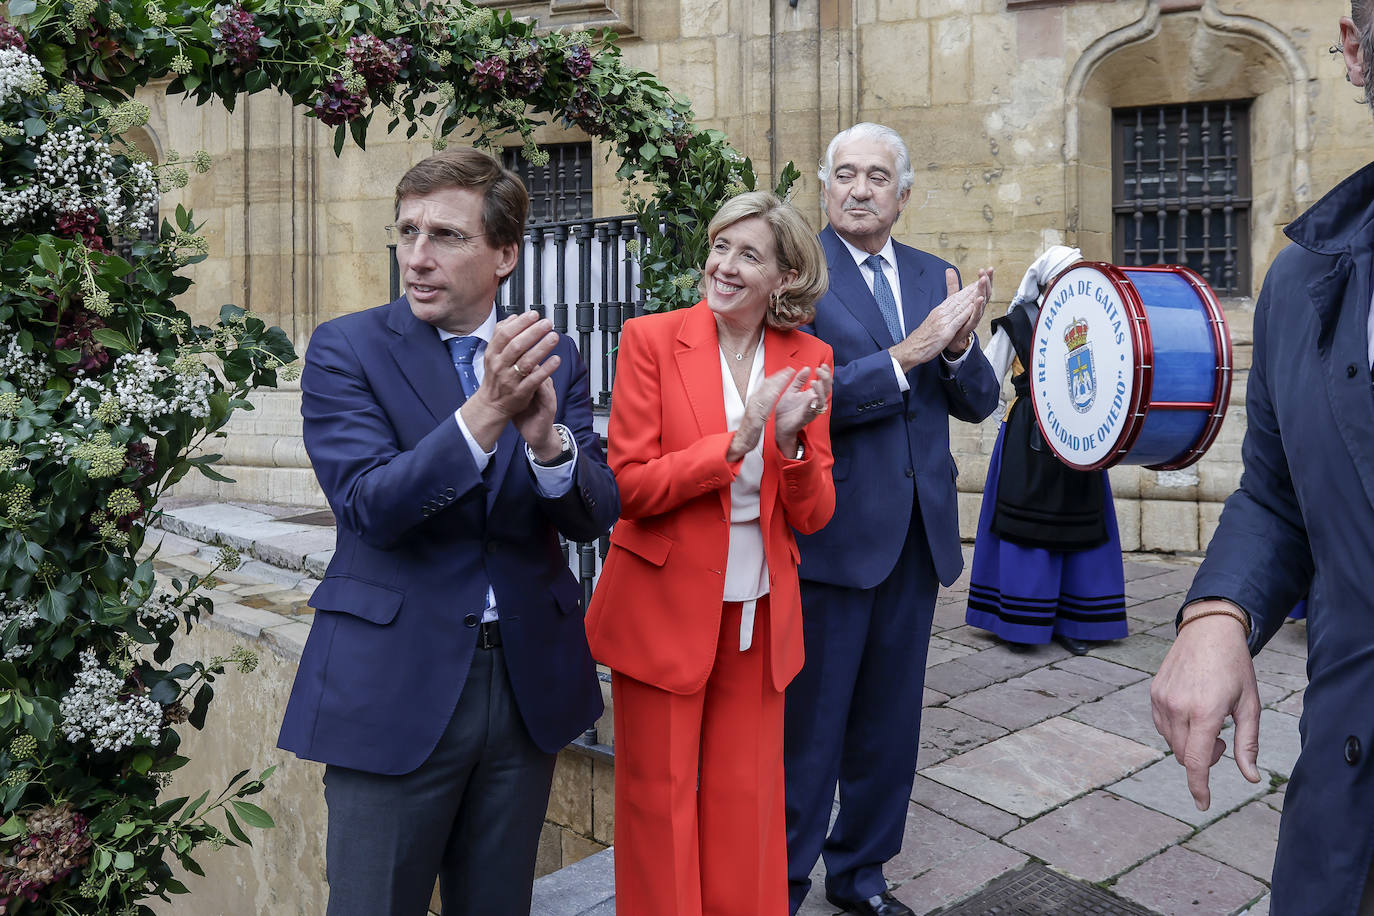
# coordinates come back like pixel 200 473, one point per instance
pixel 1197 56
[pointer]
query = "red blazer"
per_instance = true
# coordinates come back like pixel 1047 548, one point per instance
pixel 655 615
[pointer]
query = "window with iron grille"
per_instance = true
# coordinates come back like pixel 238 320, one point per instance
pixel 561 190
pixel 1181 190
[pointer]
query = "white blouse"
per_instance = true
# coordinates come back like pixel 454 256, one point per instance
pixel 746 566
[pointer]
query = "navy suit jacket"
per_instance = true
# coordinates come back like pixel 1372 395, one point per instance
pixel 891 447
pixel 1302 522
pixel 421 534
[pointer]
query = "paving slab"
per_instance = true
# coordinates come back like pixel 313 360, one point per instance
pixel 1041 767
pixel 1025 700
pixel 1137 569
pixel 973 637
pixel 1258 908
pixel 167 544
pixel 1280 742
pixel 946 732
pixel 1097 836
pixel 1142 652
pixel 1281 669
pixel 965 809
pixel 930 840
pixel 1292 705
pixel 957 678
pixel 1178 882
pixel 1158 610
pixel 1000 663
pixel 932 697
pixel 1126 713
pixel 1100 669
pixel 1140 591
pixel 1163 786
pixel 958 879
pixel 943 650
pixel 1291 639
pixel 580 888
pixel 290 550
pixel 1245 840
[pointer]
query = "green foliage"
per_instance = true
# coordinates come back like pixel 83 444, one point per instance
pixel 442 67
pixel 108 392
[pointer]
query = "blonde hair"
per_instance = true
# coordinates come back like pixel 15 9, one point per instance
pixel 795 248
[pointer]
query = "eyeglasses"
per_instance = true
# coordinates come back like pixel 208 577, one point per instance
pixel 407 236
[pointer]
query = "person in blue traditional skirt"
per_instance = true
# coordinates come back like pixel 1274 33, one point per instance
pixel 1047 558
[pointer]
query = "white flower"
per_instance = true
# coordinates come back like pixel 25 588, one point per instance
pixel 74 173
pixel 94 710
pixel 16 616
pixel 21 76
pixel 134 384
pixel 27 372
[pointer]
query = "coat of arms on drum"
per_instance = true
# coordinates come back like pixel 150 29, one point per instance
pixel 1082 378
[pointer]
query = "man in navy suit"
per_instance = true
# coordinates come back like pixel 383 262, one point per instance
pixel 447 663
pixel 1301 522
pixel 902 331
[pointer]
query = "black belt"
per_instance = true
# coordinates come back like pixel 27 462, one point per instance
pixel 489 634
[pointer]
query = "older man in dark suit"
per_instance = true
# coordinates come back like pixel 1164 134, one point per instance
pixel 1302 522
pixel 902 332
pixel 447 663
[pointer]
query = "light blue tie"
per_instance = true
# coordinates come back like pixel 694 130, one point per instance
pixel 463 349
pixel 882 292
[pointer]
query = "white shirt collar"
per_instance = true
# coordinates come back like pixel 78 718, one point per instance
pixel 484 331
pixel 888 253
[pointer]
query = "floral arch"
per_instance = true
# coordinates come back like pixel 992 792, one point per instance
pixel 109 394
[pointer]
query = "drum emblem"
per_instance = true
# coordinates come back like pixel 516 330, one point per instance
pixel 1082 378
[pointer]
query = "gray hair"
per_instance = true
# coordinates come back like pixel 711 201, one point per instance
pixel 867 130
pixel 1366 49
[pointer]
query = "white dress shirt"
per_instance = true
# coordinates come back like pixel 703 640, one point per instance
pixel 746 565
pixel 889 255
pixel 552 482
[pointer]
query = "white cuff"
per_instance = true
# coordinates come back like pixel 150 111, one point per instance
pixel 479 457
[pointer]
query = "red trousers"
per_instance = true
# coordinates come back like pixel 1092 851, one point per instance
pixel 700 825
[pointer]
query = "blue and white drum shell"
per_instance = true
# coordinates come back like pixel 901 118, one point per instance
pixel 1131 365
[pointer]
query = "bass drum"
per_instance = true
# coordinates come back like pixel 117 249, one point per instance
pixel 1130 365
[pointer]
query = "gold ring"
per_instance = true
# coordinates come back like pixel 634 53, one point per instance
pixel 818 407
pixel 518 371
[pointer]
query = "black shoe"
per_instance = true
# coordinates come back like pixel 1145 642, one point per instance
pixel 1076 646
pixel 883 904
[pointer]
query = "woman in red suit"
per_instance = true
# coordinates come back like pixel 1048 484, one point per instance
pixel 720 446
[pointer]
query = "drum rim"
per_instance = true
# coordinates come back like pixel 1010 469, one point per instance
pixel 1143 370
pixel 1221 383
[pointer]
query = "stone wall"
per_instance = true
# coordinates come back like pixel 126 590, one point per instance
pixel 1006 106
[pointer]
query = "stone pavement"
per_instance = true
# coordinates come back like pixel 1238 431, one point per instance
pixel 1034 757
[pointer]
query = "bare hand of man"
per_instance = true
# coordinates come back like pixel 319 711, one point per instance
pixel 798 406
pixel 516 365
pixel 963 337
pixel 948 324
pixel 1207 676
pixel 756 413
pixel 535 423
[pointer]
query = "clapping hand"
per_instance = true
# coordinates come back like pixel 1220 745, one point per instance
pixel 949 324
pixel 784 396
pixel 516 385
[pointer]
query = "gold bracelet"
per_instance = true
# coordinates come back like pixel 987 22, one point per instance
pixel 1237 615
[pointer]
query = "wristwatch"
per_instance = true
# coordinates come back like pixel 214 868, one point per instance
pixel 562 457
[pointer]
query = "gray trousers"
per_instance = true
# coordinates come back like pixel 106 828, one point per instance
pixel 470 815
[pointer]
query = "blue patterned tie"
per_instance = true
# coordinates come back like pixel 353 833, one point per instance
pixel 463 349
pixel 882 292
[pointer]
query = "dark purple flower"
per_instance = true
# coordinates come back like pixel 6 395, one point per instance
pixel 527 67
pixel 376 61
pixel 489 73
pixel 584 109
pixel 578 61
pixel 10 37
pixel 237 35
pixel 335 105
